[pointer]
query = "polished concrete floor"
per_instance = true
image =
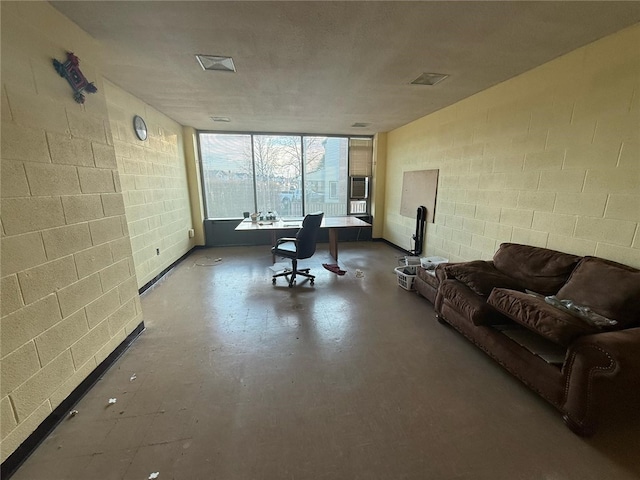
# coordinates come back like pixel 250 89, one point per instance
pixel 351 378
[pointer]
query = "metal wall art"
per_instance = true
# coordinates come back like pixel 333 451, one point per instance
pixel 71 71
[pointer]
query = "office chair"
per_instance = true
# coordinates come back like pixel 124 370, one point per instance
pixel 298 248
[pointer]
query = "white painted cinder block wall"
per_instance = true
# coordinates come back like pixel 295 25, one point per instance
pixel 75 182
pixel 549 158
pixel 154 183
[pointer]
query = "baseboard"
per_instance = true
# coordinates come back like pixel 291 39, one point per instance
pixel 393 245
pixel 17 458
pixel 155 279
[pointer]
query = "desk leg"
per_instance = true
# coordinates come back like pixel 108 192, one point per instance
pixel 273 244
pixel 333 243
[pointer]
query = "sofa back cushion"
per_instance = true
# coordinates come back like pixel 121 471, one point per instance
pixel 539 269
pixel 608 288
pixel 480 276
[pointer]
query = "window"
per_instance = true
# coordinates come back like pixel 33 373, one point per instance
pixel 278 172
pixel 227 175
pixel 289 174
pixel 326 162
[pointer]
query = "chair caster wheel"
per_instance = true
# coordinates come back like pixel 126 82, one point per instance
pixel 273 281
pixel 311 282
pixel 291 285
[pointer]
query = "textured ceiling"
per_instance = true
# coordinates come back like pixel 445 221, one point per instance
pixel 319 67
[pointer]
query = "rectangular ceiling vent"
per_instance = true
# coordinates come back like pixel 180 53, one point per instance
pixel 216 62
pixel 429 79
pixel 360 125
pixel 221 119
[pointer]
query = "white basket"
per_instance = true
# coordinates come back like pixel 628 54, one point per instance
pixel 406 280
pixel 430 262
pixel 411 260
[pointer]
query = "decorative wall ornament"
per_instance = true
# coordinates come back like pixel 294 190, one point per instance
pixel 71 71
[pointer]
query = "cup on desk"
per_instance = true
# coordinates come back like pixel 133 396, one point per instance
pixel 254 218
pixel 245 214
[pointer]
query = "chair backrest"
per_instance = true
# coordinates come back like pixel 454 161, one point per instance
pixel 308 234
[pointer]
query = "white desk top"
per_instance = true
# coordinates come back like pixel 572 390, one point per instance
pixel 327 222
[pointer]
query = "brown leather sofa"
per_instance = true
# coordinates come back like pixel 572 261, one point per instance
pixel 580 368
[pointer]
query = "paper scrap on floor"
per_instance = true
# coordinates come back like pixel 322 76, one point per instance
pixel 278 267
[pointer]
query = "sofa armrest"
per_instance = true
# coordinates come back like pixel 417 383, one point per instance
pixel 600 371
pixel 440 272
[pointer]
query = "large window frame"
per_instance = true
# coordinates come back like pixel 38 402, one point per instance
pixel 303 190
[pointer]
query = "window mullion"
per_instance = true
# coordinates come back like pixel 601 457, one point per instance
pixel 302 169
pixel 253 169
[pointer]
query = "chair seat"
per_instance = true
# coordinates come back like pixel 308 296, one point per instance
pixel 286 249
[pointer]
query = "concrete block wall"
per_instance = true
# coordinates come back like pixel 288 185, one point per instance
pixel 549 158
pixel 68 288
pixel 153 176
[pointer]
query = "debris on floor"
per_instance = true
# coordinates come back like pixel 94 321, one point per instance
pixel 133 377
pixel 154 475
pixel 278 267
pixel 209 262
pixel 73 413
pixel 333 267
pixel 112 401
pixel 359 274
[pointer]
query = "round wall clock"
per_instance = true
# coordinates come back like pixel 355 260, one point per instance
pixel 140 127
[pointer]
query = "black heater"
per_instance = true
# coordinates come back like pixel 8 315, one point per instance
pixel 421 218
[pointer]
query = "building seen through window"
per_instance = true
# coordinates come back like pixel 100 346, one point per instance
pixel 291 175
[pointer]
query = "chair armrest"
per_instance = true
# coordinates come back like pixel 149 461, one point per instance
pixel 286 239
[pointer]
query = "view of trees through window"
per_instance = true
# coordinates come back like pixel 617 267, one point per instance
pixel 288 174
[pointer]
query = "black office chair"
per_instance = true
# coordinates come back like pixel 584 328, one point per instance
pixel 298 248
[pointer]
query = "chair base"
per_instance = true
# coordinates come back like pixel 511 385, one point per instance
pixel 290 275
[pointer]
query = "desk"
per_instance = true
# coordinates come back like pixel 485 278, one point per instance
pixel 334 224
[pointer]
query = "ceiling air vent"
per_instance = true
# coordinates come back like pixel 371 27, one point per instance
pixel 360 125
pixel 429 78
pixel 221 119
pixel 216 62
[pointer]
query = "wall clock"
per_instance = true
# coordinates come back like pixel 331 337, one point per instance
pixel 140 127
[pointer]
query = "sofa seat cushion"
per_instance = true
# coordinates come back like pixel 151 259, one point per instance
pixel 608 288
pixel 538 316
pixel 470 305
pixel 539 269
pixel 480 276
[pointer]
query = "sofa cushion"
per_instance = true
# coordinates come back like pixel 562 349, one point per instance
pixel 538 316
pixel 470 305
pixel 608 288
pixel 480 276
pixel 539 269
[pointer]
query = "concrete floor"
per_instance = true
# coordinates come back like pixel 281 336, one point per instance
pixel 349 379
